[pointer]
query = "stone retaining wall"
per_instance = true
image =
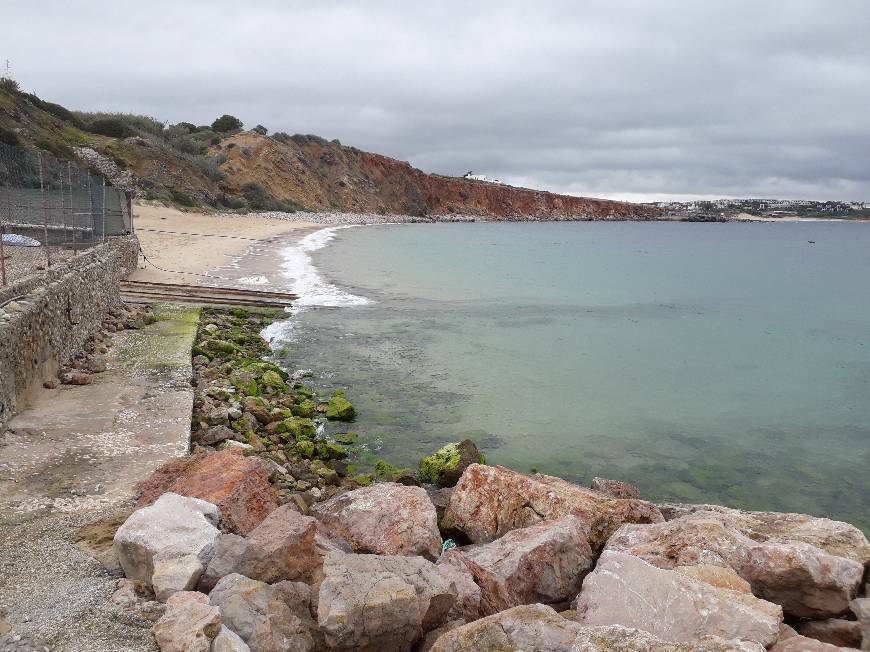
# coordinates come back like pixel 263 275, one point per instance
pixel 53 313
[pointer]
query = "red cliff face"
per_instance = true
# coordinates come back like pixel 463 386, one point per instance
pixel 324 175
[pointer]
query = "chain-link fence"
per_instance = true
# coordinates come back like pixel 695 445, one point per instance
pixel 51 208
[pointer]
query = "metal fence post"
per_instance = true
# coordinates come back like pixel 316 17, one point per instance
pixel 103 183
pixel 2 231
pixel 44 213
pixel 90 204
pixel 72 219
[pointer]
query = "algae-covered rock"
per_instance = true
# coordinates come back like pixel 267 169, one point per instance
pixel 306 409
pixel 307 429
pixel 446 466
pixel 391 473
pixel 305 448
pixel 385 470
pixel 271 379
pixel 339 408
pixel 329 451
pixel 346 438
pixel 222 346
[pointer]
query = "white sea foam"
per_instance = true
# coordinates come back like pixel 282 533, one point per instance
pixel 307 282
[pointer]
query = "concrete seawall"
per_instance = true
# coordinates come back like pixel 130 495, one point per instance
pixel 49 316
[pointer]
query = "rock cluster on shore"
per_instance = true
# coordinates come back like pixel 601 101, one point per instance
pixel 260 540
pixel 552 566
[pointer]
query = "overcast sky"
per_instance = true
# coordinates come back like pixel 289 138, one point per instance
pixel 634 99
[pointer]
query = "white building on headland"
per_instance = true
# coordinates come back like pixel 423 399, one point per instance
pixel 480 177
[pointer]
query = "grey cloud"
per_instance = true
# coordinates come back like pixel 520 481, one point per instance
pixel 613 98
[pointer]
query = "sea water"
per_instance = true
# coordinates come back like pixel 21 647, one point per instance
pixel 724 363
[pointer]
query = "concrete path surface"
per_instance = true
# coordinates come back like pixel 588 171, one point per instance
pixel 68 465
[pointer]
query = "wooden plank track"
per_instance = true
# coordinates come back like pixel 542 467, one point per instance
pixel 148 292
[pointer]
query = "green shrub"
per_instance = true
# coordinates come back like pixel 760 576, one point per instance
pixel 112 127
pixel 281 137
pixel 54 147
pixel 229 201
pixel 226 123
pixel 181 198
pixel 130 120
pixel 9 85
pixel 210 166
pixel 260 129
pixel 255 195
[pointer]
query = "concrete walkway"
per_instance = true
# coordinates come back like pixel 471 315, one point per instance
pixel 72 459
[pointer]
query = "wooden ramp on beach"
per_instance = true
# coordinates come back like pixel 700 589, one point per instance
pixel 203 295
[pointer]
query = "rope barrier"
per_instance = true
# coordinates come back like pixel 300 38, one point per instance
pixel 175 271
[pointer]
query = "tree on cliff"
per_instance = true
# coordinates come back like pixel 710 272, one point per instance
pixel 226 123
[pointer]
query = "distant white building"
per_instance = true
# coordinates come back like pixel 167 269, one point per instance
pixel 479 177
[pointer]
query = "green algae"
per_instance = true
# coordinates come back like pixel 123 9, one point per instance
pixel 339 408
pixel 164 344
pixel 444 459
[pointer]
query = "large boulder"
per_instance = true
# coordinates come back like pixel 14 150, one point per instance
pixel 843 633
pixel 444 467
pixel 528 628
pixel 237 484
pixel 861 609
pixel 283 547
pixel 542 563
pixel 189 624
pixel 834 537
pixel 538 628
pixel 228 641
pixel 262 616
pixel 377 602
pixel 170 542
pixel 791 641
pixel 490 501
pixel 626 590
pixel 614 488
pixel 466 608
pixel 384 518
pixel 807 581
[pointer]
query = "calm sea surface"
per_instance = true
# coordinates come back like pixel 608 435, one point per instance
pixel 727 363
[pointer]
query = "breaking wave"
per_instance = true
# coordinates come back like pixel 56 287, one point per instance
pixel 311 288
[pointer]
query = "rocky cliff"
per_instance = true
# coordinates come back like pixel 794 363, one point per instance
pixel 325 175
pixel 247 170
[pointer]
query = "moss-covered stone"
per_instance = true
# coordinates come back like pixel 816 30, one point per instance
pixel 222 346
pixel 339 408
pixel 272 380
pixel 363 480
pixel 305 448
pixel 307 429
pixel 346 438
pixel 198 350
pixel 445 466
pixel 303 393
pixel 329 451
pixel 385 470
pixel 305 409
pixel 219 393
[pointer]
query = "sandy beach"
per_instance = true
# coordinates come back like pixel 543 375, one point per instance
pixel 192 244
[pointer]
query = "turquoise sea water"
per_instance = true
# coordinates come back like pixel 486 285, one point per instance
pixel 727 363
